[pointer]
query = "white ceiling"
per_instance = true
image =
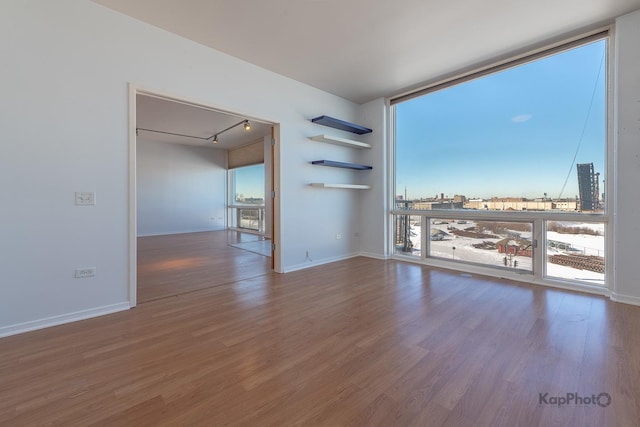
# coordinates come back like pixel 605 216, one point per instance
pixel 169 116
pixel 364 49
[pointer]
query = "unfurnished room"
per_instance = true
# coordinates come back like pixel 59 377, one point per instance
pixel 319 213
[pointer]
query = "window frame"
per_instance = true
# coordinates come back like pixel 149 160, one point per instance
pixel 234 207
pixel 539 219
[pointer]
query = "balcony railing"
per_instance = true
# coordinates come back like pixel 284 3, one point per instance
pixel 243 217
pixel 567 247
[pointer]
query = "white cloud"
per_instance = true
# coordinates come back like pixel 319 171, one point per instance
pixel 521 118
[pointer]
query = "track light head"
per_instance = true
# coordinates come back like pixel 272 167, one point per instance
pixel 247 126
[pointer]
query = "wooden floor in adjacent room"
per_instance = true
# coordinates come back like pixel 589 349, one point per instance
pixel 361 342
pixel 174 264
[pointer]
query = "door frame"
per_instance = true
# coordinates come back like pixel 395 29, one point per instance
pixel 134 90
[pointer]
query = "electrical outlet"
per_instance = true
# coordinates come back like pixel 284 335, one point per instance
pixel 338 236
pixel 81 273
pixel 85 198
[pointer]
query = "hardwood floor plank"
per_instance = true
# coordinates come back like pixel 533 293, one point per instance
pixel 179 263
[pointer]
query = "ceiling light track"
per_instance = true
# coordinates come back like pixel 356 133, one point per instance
pixel 171 133
pixel 213 138
pixel 247 127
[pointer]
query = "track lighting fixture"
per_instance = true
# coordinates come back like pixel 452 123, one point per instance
pixel 213 139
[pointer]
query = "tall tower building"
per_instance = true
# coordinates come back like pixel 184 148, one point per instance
pixel 588 187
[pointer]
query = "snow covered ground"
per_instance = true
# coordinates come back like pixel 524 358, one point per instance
pixel 584 244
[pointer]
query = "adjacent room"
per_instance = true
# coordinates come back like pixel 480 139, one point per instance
pixel 202 215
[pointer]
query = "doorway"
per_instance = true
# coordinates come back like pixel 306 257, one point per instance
pixel 182 236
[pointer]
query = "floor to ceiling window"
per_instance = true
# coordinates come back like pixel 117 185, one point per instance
pixel 246 194
pixel 507 169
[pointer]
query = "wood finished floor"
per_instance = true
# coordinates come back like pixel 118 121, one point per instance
pixel 179 263
pixel 361 342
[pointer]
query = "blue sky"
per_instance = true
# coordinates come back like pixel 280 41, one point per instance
pixel 250 181
pixel 510 134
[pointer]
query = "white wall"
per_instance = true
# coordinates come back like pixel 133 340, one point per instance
pixel 627 158
pixel 374 211
pixel 66 66
pixel 181 188
pixel 315 215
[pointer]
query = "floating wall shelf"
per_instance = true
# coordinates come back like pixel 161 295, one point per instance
pixel 351 186
pixel 334 164
pixel 340 141
pixel 341 124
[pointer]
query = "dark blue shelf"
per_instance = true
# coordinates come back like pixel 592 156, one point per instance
pixel 341 165
pixel 341 124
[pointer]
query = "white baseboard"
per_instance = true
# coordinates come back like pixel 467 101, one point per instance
pixel 20 328
pixel 319 262
pixel 374 256
pixel 626 299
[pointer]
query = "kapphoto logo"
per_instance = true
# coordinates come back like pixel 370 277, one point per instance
pixel 574 398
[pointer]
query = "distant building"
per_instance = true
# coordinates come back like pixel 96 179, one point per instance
pixel 515 247
pixel 520 204
pixel 459 199
pixel 588 187
pixel 427 206
pixel 404 204
pixel 566 205
pixel 494 204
